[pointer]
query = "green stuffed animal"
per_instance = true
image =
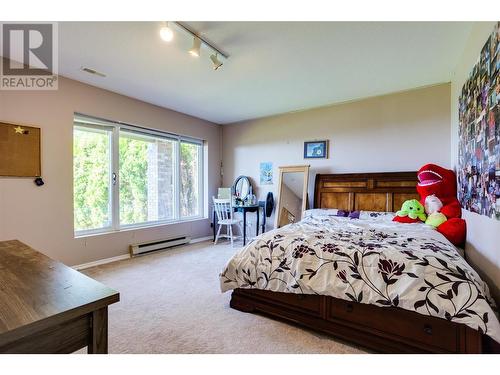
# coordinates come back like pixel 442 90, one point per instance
pixel 435 219
pixel 413 209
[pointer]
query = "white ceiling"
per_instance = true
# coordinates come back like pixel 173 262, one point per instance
pixel 274 67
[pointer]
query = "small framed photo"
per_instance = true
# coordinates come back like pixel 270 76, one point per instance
pixel 316 150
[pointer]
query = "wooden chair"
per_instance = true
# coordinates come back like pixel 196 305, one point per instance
pixel 224 212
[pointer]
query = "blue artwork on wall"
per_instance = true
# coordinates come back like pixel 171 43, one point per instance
pixel 266 173
pixel 316 150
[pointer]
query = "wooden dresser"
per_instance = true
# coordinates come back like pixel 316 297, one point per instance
pixel 48 307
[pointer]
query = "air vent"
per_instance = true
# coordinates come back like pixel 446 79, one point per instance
pixel 92 71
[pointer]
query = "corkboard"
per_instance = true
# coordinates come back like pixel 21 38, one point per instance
pixel 19 150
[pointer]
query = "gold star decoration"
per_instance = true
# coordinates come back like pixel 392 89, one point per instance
pixel 19 130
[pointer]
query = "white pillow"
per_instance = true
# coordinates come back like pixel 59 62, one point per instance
pixel 315 212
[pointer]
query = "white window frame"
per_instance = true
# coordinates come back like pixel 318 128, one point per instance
pixel 83 121
pixel 201 177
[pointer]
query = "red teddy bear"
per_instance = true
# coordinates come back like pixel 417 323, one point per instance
pixel 437 188
pixel 442 183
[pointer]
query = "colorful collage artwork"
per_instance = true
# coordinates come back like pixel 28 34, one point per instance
pixel 479 133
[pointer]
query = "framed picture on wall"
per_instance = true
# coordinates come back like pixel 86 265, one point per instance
pixel 266 173
pixel 316 150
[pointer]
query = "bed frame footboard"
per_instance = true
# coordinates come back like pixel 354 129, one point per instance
pixel 381 329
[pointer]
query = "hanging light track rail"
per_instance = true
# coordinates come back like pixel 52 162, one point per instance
pixel 204 41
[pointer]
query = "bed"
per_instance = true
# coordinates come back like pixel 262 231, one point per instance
pixel 347 270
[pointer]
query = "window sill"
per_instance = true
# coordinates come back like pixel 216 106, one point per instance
pixel 132 227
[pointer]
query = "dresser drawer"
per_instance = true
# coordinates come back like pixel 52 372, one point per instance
pixel 410 326
pixel 308 303
pixel 65 337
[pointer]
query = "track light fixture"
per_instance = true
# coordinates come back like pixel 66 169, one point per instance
pixel 217 63
pixel 166 33
pixel 195 49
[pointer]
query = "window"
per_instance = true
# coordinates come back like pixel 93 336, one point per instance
pixel 126 176
pixel 190 179
pixel 147 172
pixel 92 178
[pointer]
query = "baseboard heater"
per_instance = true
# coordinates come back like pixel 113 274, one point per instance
pixel 148 247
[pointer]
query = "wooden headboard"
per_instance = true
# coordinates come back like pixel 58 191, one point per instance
pixel 365 191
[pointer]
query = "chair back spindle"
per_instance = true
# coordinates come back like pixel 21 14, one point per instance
pixel 223 209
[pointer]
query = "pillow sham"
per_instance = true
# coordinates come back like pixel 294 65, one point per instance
pixel 363 215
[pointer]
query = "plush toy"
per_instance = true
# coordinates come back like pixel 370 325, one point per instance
pixel 437 183
pixel 435 219
pixel 413 210
pixel 432 204
pixel 437 188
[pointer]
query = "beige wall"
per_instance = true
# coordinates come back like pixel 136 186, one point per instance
pixel 483 233
pixel 397 132
pixel 43 216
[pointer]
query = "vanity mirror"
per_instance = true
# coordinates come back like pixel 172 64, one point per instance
pixel 292 194
pixel 242 187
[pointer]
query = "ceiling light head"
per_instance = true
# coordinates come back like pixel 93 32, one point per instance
pixel 195 50
pixel 217 63
pixel 166 33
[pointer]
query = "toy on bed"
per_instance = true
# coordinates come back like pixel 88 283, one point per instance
pixel 440 183
pixel 412 211
pixel 437 188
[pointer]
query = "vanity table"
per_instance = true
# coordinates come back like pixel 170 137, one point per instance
pixel 244 209
pixel 241 191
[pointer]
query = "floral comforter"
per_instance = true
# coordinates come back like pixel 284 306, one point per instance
pixel 368 259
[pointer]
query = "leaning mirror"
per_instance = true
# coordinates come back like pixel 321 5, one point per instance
pixel 292 198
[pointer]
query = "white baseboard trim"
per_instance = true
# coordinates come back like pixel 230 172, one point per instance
pixel 126 256
pixel 101 261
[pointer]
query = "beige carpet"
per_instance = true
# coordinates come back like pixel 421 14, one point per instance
pixel 171 303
